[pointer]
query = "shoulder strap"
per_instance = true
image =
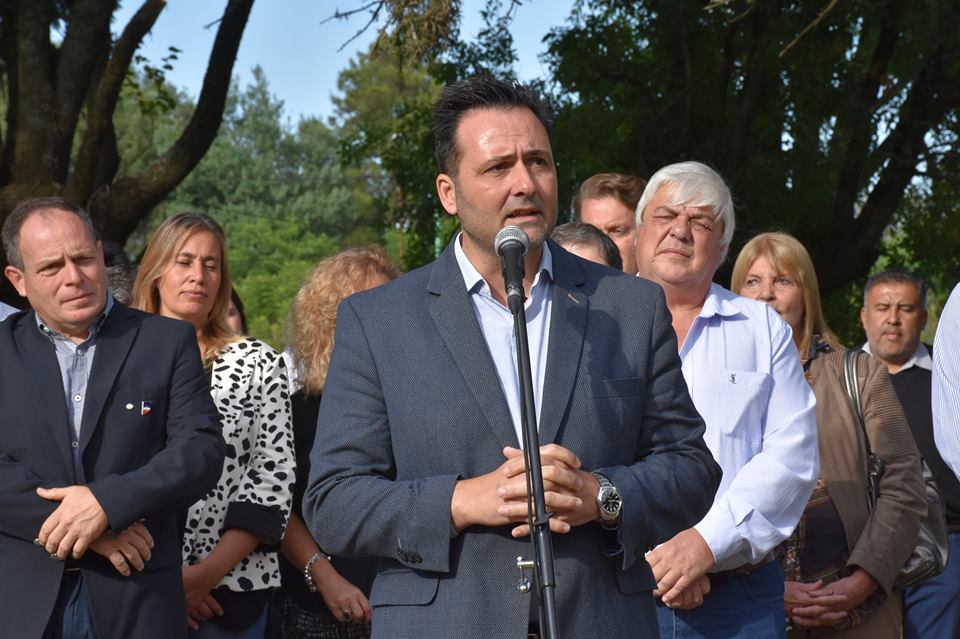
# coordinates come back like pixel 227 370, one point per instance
pixel 851 357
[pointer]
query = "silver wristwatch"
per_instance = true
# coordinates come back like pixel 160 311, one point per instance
pixel 608 503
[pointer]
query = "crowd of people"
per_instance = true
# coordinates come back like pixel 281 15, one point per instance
pixel 705 461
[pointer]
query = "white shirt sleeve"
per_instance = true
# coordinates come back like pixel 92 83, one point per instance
pixel 770 485
pixel 946 383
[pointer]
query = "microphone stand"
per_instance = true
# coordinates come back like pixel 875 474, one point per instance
pixel 539 519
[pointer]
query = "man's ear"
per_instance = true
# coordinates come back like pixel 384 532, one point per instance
pixel 15 276
pixel 447 191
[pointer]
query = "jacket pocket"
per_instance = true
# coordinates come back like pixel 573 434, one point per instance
pixel 639 578
pixel 403 588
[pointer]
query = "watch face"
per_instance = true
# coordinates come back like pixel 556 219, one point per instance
pixel 610 502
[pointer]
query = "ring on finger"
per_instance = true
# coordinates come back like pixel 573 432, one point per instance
pixel 347 615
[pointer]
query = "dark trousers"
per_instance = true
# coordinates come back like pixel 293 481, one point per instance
pixel 72 617
pixel 932 608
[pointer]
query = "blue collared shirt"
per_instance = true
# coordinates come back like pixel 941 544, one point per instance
pixel 745 378
pixel 75 361
pixel 945 390
pixel 496 324
pixel 5 311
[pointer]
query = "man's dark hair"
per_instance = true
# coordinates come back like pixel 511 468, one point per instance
pixel 627 189
pixel 896 276
pixel 478 92
pixel 23 210
pixel 578 233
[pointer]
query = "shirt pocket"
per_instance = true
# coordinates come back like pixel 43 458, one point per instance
pixel 741 403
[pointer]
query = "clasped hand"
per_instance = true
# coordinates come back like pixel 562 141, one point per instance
pixel 79 523
pixel 811 605
pixel 679 567
pixel 500 497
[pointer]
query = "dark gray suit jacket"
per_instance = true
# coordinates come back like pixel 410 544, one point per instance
pixel 413 403
pixel 148 465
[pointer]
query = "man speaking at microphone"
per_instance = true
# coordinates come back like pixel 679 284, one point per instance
pixel 417 458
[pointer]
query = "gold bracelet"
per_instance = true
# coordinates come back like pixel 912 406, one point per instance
pixel 307 577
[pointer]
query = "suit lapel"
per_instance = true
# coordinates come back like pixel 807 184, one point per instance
pixel 38 358
pixel 568 321
pixel 113 343
pixel 456 321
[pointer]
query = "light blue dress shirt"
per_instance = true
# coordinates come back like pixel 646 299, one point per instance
pixel 945 390
pixel 496 324
pixel 744 375
pixel 6 310
pixel 76 361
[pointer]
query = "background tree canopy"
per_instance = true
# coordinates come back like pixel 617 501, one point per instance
pixel 62 74
pixel 834 121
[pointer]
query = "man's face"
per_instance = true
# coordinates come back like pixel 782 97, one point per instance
pixel 678 245
pixel 505 176
pixel 63 274
pixel 893 319
pixel 618 222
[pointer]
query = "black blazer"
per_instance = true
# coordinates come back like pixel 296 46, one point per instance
pixel 148 467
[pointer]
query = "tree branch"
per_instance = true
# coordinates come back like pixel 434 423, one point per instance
pixel 934 93
pixel 810 27
pixel 36 105
pixel 131 199
pixel 86 40
pixel 854 125
pixel 100 115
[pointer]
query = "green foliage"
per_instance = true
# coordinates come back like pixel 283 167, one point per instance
pixel 282 198
pixel 824 142
pixel 384 114
pixel 149 85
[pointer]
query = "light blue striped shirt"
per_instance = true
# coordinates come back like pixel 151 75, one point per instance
pixel 496 324
pixel 946 383
pixel 76 361
pixel 6 310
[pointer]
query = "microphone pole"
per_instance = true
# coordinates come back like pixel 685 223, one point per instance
pixel 511 244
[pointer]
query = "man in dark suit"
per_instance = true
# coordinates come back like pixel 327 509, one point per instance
pixel 107 435
pixel 416 459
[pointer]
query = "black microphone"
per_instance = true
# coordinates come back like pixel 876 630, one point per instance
pixel 511 244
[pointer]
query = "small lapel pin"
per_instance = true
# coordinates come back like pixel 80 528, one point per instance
pixel 129 406
pixel 145 408
pixel 572 297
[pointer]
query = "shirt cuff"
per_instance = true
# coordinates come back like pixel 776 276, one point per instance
pixel 720 532
pixel 265 521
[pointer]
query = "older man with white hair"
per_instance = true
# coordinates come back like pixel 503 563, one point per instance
pixel 719 578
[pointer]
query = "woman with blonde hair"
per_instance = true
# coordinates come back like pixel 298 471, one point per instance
pixel 231 535
pixel 841 561
pixel 342 609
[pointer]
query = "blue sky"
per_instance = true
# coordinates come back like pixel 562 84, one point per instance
pixel 299 54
